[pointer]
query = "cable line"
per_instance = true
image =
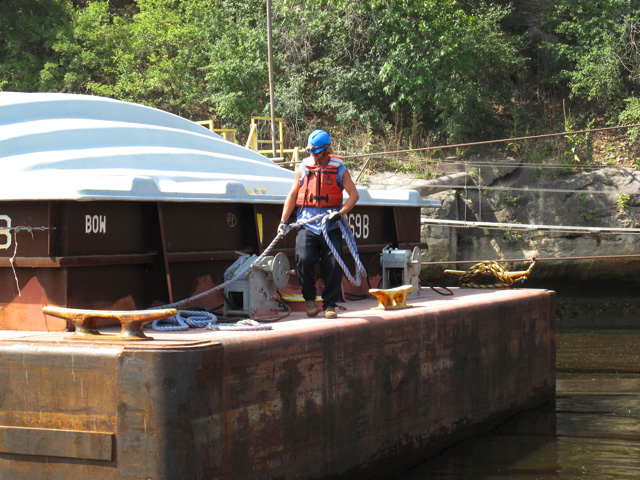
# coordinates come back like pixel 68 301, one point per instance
pixel 524 189
pixel 547 259
pixel 488 142
pixel 530 227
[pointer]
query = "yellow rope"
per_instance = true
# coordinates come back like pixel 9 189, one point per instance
pixel 493 269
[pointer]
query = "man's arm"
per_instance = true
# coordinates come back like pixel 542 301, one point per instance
pixel 354 196
pixel 290 202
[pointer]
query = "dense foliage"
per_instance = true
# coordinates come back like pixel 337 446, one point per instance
pixel 598 41
pixel 418 70
pixel 28 31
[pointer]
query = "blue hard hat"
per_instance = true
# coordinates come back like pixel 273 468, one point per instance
pixel 318 141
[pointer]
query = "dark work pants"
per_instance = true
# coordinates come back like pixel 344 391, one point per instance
pixel 311 248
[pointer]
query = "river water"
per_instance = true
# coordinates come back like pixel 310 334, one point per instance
pixel 592 432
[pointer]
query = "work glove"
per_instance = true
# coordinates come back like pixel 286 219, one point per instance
pixel 282 227
pixel 334 215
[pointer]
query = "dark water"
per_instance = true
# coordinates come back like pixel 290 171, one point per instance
pixel 592 432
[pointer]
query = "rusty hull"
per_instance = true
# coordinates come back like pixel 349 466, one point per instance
pixel 311 398
pixel 146 254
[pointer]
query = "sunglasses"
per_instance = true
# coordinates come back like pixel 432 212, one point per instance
pixel 318 149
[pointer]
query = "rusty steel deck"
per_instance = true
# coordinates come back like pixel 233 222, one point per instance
pixel 310 398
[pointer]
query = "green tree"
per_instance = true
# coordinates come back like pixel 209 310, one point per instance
pixel 151 55
pixel 443 66
pixel 236 72
pixel 390 62
pixel 327 69
pixel 84 52
pixel 28 30
pixel 598 41
pixel 448 65
pixel 194 58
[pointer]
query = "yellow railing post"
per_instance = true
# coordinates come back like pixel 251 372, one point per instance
pixel 255 120
pixel 206 123
pixel 228 134
pixel 252 141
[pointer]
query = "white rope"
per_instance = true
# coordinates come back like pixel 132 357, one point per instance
pixel 15 248
pixel 13 259
pixel 242 325
pixel 353 249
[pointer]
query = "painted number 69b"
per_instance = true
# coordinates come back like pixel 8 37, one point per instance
pixel 359 225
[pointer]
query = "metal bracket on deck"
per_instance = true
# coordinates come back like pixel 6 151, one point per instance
pixel 391 298
pixel 131 321
pixel 401 267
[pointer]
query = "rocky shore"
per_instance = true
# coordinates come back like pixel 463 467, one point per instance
pixel 589 265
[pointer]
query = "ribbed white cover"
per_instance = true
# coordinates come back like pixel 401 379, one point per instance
pixel 56 146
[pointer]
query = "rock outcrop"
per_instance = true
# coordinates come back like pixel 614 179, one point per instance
pixel 586 261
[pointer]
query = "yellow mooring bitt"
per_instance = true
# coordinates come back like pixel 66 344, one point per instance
pixel 131 322
pixel 391 298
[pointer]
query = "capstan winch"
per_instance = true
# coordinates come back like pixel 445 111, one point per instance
pixel 401 267
pixel 255 294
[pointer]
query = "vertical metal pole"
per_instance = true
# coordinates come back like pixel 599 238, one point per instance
pixel 466 169
pixel 479 200
pixel 272 101
pixel 165 252
pixel 479 194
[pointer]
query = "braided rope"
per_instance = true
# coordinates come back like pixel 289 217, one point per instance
pixel 491 268
pixel 242 325
pixel 185 318
pixel 353 249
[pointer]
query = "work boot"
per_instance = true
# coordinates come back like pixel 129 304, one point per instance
pixel 330 312
pixel 311 308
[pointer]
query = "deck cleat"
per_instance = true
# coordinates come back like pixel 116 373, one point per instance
pixel 391 298
pixel 132 322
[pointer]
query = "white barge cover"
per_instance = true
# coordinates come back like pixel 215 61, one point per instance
pixel 56 146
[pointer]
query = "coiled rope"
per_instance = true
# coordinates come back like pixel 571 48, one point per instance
pixel 203 319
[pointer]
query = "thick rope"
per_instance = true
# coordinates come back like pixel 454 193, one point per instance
pixel 353 249
pixel 494 269
pixel 203 319
pixel 185 319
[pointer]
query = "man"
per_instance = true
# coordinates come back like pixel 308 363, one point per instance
pixel 317 188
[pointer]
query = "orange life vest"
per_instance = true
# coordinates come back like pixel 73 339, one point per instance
pixel 320 185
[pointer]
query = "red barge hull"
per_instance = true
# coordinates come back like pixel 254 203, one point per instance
pixel 311 398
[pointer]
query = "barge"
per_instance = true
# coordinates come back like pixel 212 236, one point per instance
pixel 115 206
